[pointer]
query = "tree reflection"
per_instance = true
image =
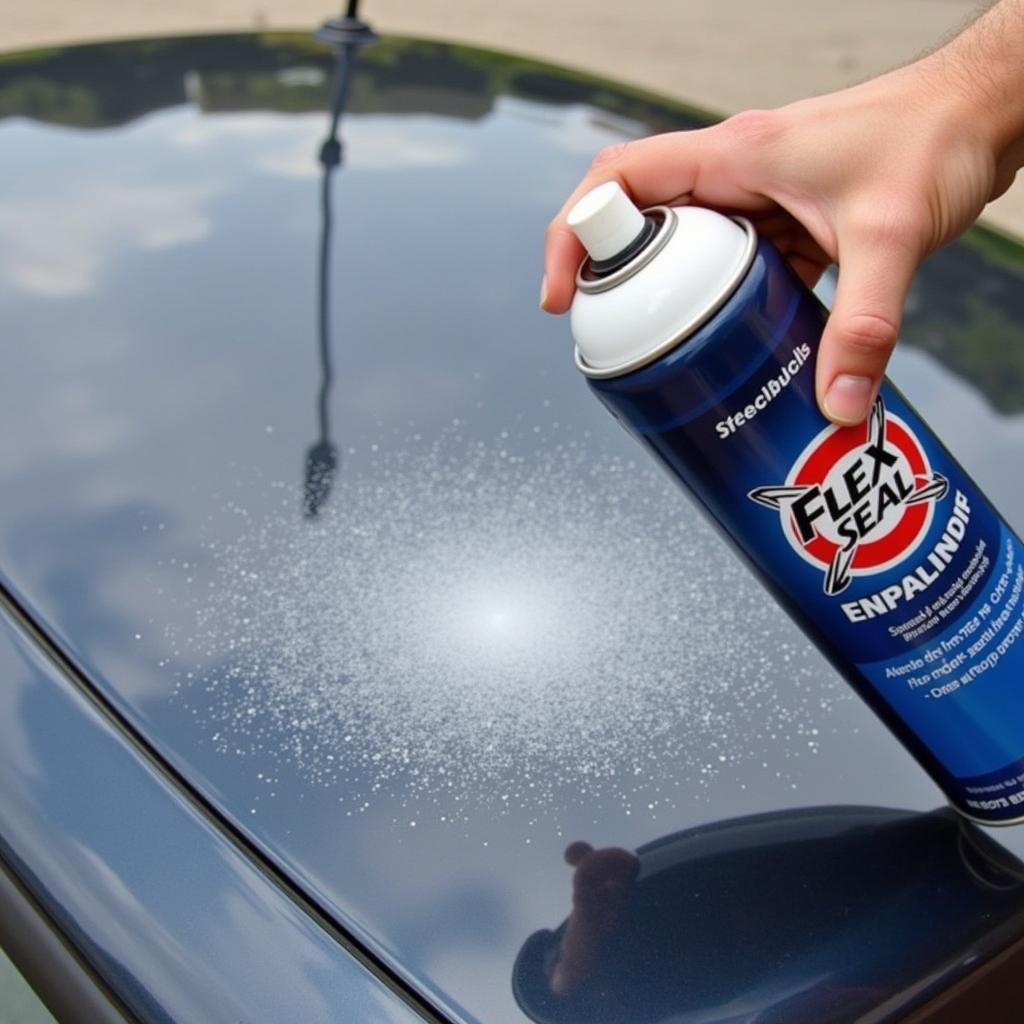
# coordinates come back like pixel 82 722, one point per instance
pixel 967 306
pixel 346 35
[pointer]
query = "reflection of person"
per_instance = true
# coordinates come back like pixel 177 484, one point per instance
pixel 602 891
pixel 794 917
pixel 873 177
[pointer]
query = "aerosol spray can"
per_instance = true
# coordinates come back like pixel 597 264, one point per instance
pixel 701 341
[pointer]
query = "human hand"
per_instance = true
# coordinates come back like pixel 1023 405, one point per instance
pixel 873 178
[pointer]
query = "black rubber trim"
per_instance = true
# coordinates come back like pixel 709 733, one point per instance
pixel 22 618
pixel 602 268
pixel 70 989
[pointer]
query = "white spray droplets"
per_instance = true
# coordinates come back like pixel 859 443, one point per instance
pixel 480 624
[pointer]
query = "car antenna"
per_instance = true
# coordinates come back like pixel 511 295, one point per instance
pixel 346 34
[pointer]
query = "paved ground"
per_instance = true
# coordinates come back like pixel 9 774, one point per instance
pixel 18 1003
pixel 721 54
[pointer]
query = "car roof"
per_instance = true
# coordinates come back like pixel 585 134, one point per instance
pixel 297 474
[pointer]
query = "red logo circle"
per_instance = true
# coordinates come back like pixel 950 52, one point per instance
pixel 896 535
pixel 857 499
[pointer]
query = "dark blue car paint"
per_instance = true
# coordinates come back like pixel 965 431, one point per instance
pixel 886 893
pixel 160 319
pixel 161 904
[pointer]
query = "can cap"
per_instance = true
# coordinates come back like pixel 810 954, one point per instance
pixel 648 306
pixel 605 221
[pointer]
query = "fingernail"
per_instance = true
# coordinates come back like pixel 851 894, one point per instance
pixel 544 292
pixel 849 398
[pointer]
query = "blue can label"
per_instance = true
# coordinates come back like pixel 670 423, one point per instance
pixel 858 502
pixel 929 584
pixel 873 536
pixel 900 559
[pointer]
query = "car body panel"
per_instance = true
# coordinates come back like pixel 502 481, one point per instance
pixel 171 918
pixel 502 630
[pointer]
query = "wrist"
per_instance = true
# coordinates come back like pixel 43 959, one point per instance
pixel 978 78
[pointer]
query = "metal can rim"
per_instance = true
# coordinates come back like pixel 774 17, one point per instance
pixel 666 229
pixel 708 311
pixel 987 822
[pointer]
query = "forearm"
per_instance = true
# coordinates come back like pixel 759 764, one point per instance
pixel 982 71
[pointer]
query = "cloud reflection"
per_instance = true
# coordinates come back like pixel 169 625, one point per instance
pixel 59 246
pixel 286 145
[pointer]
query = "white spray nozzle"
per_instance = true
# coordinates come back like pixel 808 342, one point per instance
pixel 606 221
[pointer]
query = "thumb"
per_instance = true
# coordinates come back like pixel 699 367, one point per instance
pixel 862 330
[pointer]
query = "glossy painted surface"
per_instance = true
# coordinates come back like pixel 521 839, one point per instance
pixel 502 631
pixel 162 906
pixel 854 899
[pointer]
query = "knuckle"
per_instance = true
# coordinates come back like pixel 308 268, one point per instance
pixel 894 226
pixel 554 229
pixel 869 333
pixel 609 155
pixel 754 127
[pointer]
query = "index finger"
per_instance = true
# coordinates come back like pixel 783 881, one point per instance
pixel 660 169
